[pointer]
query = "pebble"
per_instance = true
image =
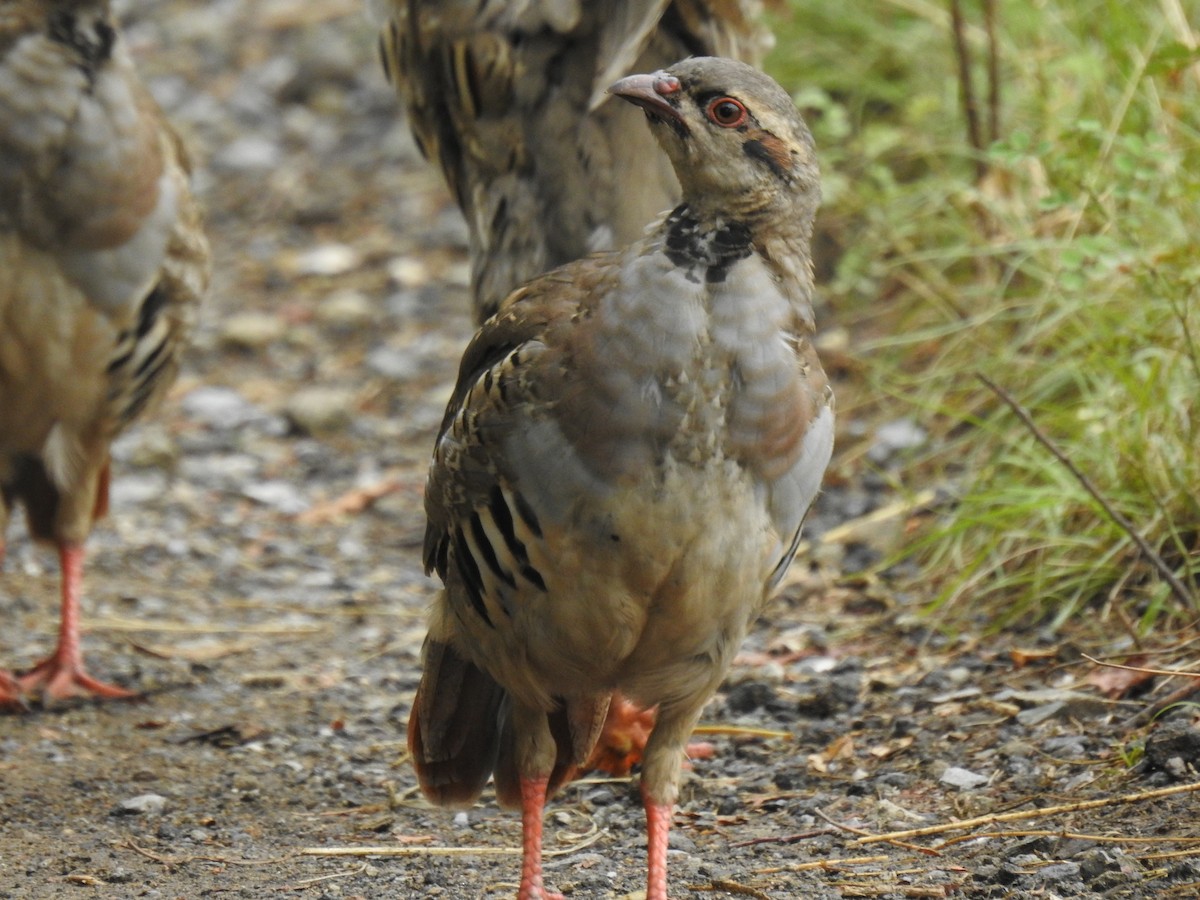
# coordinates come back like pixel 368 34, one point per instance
pixel 228 470
pixel 894 437
pixel 252 330
pixel 958 696
pixel 394 363
pixel 749 696
pixel 148 445
pixel 346 309
pixel 143 804
pixel 280 495
pixel 326 259
pixel 1059 871
pixel 219 407
pixel 408 272
pixel 1174 747
pixel 134 489
pixel 249 153
pixel 1067 745
pixel 1039 714
pixel 320 410
pixel 963 779
pixel 1095 862
pixel 1070 703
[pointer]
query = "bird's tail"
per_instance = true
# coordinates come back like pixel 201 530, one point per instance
pixel 454 728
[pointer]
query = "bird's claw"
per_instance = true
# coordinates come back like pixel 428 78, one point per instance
pixel 59 680
pixel 11 697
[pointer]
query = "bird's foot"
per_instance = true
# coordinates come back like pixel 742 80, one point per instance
pixel 11 697
pixel 531 892
pixel 56 678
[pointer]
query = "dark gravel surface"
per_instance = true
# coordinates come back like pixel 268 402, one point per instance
pixel 259 580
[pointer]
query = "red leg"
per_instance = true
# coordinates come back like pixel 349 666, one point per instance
pixel 62 674
pixel 658 827
pixel 533 800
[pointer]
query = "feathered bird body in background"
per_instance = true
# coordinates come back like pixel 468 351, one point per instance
pixel 508 98
pixel 102 264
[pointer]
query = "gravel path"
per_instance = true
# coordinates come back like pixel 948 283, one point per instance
pixel 259 580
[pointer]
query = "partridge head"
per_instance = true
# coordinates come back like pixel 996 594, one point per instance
pixel 624 466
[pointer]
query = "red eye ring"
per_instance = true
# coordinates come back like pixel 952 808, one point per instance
pixel 726 112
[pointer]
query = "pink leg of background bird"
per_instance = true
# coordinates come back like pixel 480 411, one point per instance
pixel 658 828
pixel 62 673
pixel 533 801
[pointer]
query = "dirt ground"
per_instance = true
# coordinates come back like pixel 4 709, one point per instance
pixel 259 580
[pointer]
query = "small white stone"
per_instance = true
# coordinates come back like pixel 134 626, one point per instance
pixel 317 410
pixel 327 259
pixel 408 272
pixel 144 804
pixel 346 308
pixel 963 779
pixel 252 330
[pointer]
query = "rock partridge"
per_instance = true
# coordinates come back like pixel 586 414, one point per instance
pixel 508 98
pixel 102 263
pixel 624 465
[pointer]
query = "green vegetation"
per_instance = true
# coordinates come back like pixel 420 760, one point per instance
pixel 1061 261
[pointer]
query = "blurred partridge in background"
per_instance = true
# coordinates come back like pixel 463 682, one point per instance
pixel 508 100
pixel 102 265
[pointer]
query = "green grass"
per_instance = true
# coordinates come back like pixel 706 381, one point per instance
pixel 1068 274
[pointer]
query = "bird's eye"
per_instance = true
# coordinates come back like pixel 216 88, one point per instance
pixel 726 112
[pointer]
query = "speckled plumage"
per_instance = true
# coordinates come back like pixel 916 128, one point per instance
pixel 508 100
pixel 102 264
pixel 625 463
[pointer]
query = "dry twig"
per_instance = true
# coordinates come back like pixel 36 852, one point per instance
pixel 172 862
pixel 993 70
pixel 353 501
pixel 783 838
pixel 966 84
pixel 1176 696
pixel 1165 672
pixel 118 623
pixel 827 864
pixel 317 879
pixel 730 887
pixel 1070 835
pixel 1042 813
pixel 446 851
pixel 862 831
pixel 740 731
